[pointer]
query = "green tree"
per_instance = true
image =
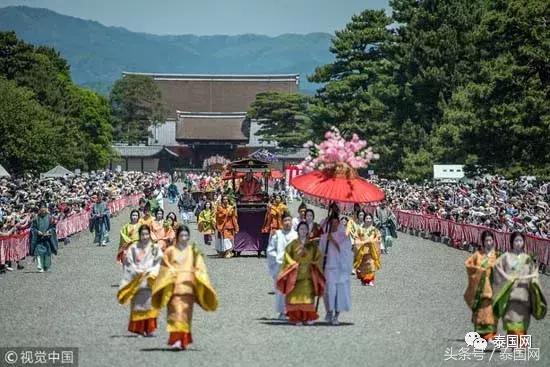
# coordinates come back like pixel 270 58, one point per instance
pixel 136 105
pixel 93 115
pixel 501 120
pixel 33 137
pixel 357 85
pixel 283 117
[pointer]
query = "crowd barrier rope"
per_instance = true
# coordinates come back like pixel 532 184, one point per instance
pixel 470 233
pixel 16 246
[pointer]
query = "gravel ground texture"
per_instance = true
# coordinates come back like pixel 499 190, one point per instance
pixel 413 314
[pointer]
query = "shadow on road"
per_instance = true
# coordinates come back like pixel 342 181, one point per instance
pixel 284 323
pixel 168 350
pixel 124 336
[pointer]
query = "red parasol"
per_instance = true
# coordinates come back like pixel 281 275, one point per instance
pixel 340 185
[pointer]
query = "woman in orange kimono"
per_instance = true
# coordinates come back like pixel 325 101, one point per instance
pixel 147 218
pixel 182 281
pixel 227 227
pixel 367 255
pixel 301 278
pixel 479 293
pixel 158 223
pixel 165 235
pixel 274 216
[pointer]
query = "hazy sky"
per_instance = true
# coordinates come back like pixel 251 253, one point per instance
pixel 206 17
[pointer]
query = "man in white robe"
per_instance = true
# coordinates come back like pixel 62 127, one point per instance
pixel 275 254
pixel 339 264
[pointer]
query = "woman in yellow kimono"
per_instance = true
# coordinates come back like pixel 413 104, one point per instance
pixel 141 267
pixel 165 235
pixel 227 227
pixel 274 216
pixel 355 224
pixel 182 281
pixel 367 250
pixel 479 293
pixel 301 278
pixel 207 223
pixel 128 235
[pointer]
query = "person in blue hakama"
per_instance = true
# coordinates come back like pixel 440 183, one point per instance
pixel 100 222
pixel 43 239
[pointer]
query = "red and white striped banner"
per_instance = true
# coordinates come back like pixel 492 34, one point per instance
pixel 291 172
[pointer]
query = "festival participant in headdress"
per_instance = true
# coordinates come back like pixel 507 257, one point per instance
pixel 43 239
pixel 146 217
pixel 165 235
pixel 183 280
pixel 128 234
pixel 367 255
pixel 517 293
pixel 207 223
pixel 100 222
pixel 250 188
pixel 227 226
pixel 301 278
pixel 385 221
pixel 315 229
pixel 141 267
pixel 479 293
pixel 173 193
pixel 151 200
pixel 336 246
pixel 275 255
pixel 274 215
pixel 301 216
pixel 158 194
pixel 186 205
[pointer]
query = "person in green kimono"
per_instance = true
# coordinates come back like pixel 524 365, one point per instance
pixel 517 290
pixel 385 221
pixel 43 239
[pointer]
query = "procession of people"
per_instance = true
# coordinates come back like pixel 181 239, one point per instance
pixel 310 264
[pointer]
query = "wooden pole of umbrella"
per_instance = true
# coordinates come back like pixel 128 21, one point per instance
pixel 341 184
pixel 325 255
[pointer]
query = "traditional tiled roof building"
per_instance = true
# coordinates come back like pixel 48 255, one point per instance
pixel 207 113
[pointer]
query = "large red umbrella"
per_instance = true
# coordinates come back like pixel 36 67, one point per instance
pixel 341 186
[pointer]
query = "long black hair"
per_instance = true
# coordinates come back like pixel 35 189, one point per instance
pixel 513 237
pixel 142 228
pixel 302 224
pixel 181 229
pixel 486 234
pixel 132 213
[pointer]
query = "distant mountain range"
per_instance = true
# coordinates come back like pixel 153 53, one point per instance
pixel 99 54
